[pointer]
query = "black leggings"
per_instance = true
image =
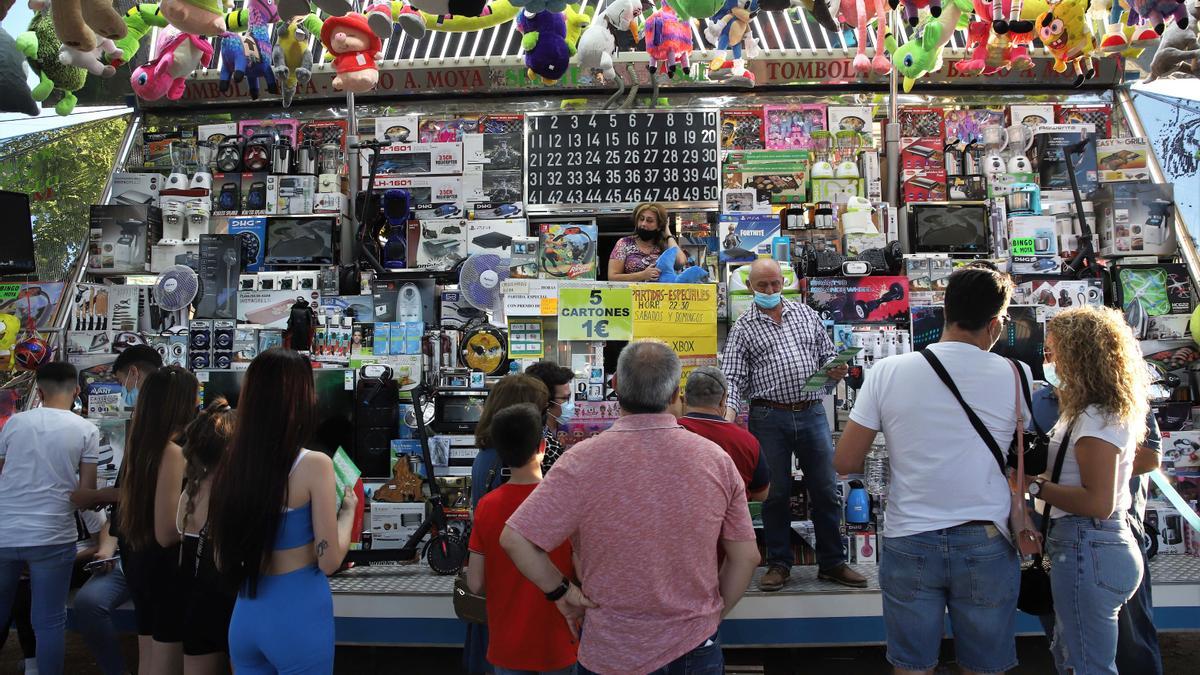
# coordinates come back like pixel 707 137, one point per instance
pixel 20 615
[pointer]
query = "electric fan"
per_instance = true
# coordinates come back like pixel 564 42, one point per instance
pixel 175 289
pixel 479 281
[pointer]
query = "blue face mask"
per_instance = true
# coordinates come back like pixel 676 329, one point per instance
pixel 1051 375
pixel 566 411
pixel 767 300
pixel 131 394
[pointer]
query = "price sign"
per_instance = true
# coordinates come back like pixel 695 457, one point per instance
pixel 595 313
pixel 9 291
pixel 1024 246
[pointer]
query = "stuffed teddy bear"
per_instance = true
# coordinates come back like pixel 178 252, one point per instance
pixel 354 47
pixel 78 22
pixel 40 45
pixel 668 275
pixel 179 54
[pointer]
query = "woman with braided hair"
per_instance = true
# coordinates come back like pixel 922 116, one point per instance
pixel 210 601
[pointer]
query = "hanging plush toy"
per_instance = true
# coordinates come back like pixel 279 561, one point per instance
pixel 668 275
pixel 668 42
pixel 1178 53
pixel 14 92
pixel 198 17
pixel 179 54
pixel 255 19
pixel 911 7
pixel 922 55
pixel 138 22
pixel 78 22
pixel 40 45
pixel 1068 37
pixel 354 47
pixel 1157 12
pixel 992 49
pixel 725 31
pixel 416 23
pixel 854 13
pixel 547 53
pixel 292 57
pixel 616 28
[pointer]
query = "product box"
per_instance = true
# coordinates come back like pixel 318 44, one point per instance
pixel 495 210
pixel 216 133
pixel 836 190
pixel 1122 159
pixel 331 202
pixel 135 189
pixel 921 138
pixel 442 244
pixel 396 128
pixel 495 151
pixel 1032 116
pixel 393 523
pixel 494 236
pixel 119 238
pixel 323 132
pixel 245 347
pixel 252 231
pixel 1099 116
pixel 1161 289
pixel 1136 219
pixel 744 237
pixel 163 256
pixel 966 125
pixel 1051 163
pixel 966 188
pixel 790 127
pixel 185 215
pixel 1164 518
pixel 426 190
pixel 1169 327
pixel 156 146
pixel 227 194
pixel 481 184
pixel 856 118
pixel 923 186
pixel 220 268
pixel 524 260
pixel 289 129
pixel 291 195
pixel 863 300
pixel 271 308
pixel 567 250
pixel 415 159
pixel 742 129
pixel 855 243
pixel 505 123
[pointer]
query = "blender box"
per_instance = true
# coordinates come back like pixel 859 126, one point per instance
pixel 1136 218
pixel 291 195
pixel 119 238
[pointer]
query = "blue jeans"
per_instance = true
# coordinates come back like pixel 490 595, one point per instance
pixel 95 604
pixel 970 569
pixel 706 659
pixel 805 433
pixel 1095 567
pixel 50 581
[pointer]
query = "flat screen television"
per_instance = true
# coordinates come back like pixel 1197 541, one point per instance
pixel 16 231
pixel 300 240
pixel 335 403
pixel 948 227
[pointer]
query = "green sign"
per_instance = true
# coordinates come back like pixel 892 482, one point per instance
pixel 598 314
pixel 1024 246
pixel 9 291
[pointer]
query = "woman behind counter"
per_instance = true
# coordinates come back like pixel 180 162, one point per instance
pixel 634 257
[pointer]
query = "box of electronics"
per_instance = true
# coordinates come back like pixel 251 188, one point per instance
pixel 1032 116
pixel 1136 219
pixel 921 132
pixel 424 189
pixel 331 202
pixel 135 188
pixel 1099 116
pixel 156 146
pixel 393 523
pixel 240 193
pixel 291 195
pixel 1161 289
pixel 1033 245
pixel 484 184
pixel 1123 159
pixel 1050 144
pixel 1164 518
pixel 220 267
pixel 415 159
pixel 163 256
pixel 216 133
pixel 120 236
pixel 252 231
pixel 923 185
pixel 396 129
pixel 442 243
pixel 495 151
pixel 494 236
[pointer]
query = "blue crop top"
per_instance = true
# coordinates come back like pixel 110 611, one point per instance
pixel 295 528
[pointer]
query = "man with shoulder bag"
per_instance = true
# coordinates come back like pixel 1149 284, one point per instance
pixel 948 542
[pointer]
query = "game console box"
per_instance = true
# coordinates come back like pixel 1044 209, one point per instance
pixel 120 236
pixel 135 188
pixel 291 195
pixel 494 236
pixel 442 243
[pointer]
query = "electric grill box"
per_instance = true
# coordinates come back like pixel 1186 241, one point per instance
pixel 120 236
pixel 135 188
pixel 1136 219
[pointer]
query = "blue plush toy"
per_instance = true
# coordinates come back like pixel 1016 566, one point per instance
pixel 666 267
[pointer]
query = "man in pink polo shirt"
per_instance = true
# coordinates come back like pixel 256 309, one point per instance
pixel 646 505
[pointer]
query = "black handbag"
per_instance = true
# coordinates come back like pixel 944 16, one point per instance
pixel 1037 444
pixel 1035 596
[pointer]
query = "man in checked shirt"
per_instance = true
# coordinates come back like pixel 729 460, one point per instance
pixel 771 350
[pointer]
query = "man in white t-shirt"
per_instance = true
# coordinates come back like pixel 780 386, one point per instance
pixel 45 454
pixel 945 539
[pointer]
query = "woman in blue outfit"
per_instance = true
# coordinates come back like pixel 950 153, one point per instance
pixel 277 528
pixel 1096 564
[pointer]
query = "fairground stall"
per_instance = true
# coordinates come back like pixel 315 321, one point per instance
pixel 429 202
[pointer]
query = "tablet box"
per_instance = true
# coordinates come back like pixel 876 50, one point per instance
pixel 120 236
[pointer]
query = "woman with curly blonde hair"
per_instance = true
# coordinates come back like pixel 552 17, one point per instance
pixel 1095 561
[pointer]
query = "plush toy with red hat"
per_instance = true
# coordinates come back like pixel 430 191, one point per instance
pixel 354 47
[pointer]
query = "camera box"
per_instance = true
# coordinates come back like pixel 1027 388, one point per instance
pixel 135 188
pixel 393 523
pixel 252 231
pixel 415 159
pixel 119 238
pixel 291 195
pixel 1122 159
pixel 1136 219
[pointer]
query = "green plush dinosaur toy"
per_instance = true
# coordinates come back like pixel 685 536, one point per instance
pixel 40 45
pixel 923 55
pixel 139 21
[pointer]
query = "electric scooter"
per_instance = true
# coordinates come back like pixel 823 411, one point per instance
pixel 368 242
pixel 446 550
pixel 1084 264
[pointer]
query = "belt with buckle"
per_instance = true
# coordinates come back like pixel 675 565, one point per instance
pixel 791 407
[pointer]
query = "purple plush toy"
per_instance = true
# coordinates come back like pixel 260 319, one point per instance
pixel 547 54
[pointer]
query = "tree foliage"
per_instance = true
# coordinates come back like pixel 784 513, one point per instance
pixel 64 172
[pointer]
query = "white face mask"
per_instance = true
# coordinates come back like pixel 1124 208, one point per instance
pixel 1051 375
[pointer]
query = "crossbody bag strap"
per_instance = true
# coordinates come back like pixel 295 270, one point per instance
pixel 1055 474
pixel 980 428
pixel 1019 487
pixel 1029 401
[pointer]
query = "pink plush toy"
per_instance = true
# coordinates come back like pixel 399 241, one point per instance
pixel 354 47
pixel 179 54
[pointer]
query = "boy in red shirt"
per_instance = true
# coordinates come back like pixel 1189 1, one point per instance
pixel 528 634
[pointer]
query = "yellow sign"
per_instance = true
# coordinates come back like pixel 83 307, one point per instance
pixel 675 310
pixel 595 313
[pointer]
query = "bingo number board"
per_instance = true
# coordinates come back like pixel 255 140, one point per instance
pixel 620 159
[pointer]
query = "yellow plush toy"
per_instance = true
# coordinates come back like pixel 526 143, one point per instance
pixel 1068 37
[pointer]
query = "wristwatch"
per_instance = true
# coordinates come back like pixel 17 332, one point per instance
pixel 1035 488
pixel 557 593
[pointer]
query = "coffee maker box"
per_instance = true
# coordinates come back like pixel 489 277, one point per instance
pixel 120 236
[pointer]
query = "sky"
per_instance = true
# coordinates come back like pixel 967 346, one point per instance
pixel 1173 102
